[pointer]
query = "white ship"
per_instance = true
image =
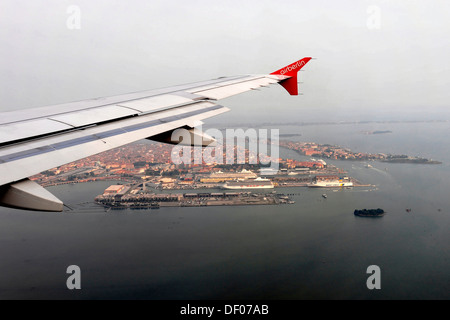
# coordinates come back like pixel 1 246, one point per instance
pixel 330 182
pixel 257 183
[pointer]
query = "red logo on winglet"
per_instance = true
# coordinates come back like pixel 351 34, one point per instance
pixel 290 71
pixel 293 68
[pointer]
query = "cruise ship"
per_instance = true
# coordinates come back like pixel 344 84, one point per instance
pixel 257 183
pixel 330 182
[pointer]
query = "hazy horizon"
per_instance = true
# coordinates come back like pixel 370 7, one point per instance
pixel 375 59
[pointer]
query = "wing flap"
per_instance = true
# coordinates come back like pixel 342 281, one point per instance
pixel 156 103
pixel 93 116
pixel 22 130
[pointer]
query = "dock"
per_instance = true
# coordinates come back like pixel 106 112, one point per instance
pixel 155 201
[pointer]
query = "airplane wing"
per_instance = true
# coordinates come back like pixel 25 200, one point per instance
pixel 35 140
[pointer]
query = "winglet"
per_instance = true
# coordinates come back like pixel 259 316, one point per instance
pixel 290 84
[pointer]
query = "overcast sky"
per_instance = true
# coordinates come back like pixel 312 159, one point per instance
pixel 374 58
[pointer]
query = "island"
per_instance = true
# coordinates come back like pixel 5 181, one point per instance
pixel 334 152
pixel 369 212
pixel 408 159
pixel 377 132
pixel 287 135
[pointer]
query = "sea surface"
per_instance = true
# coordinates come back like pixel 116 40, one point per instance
pixel 313 249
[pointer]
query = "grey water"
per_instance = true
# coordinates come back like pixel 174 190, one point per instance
pixel 313 249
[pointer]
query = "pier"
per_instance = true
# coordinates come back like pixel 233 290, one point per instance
pixel 155 201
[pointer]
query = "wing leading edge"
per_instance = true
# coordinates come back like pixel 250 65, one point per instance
pixel 39 139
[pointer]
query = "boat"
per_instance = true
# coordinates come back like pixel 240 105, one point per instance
pixel 369 212
pixel 258 183
pixel 154 205
pixel 330 181
pixel 324 195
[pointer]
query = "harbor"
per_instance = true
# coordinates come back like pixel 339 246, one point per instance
pixel 118 201
pixel 250 190
pixel 242 188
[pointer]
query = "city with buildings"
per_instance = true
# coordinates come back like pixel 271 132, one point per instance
pixel 146 170
pixel 151 163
